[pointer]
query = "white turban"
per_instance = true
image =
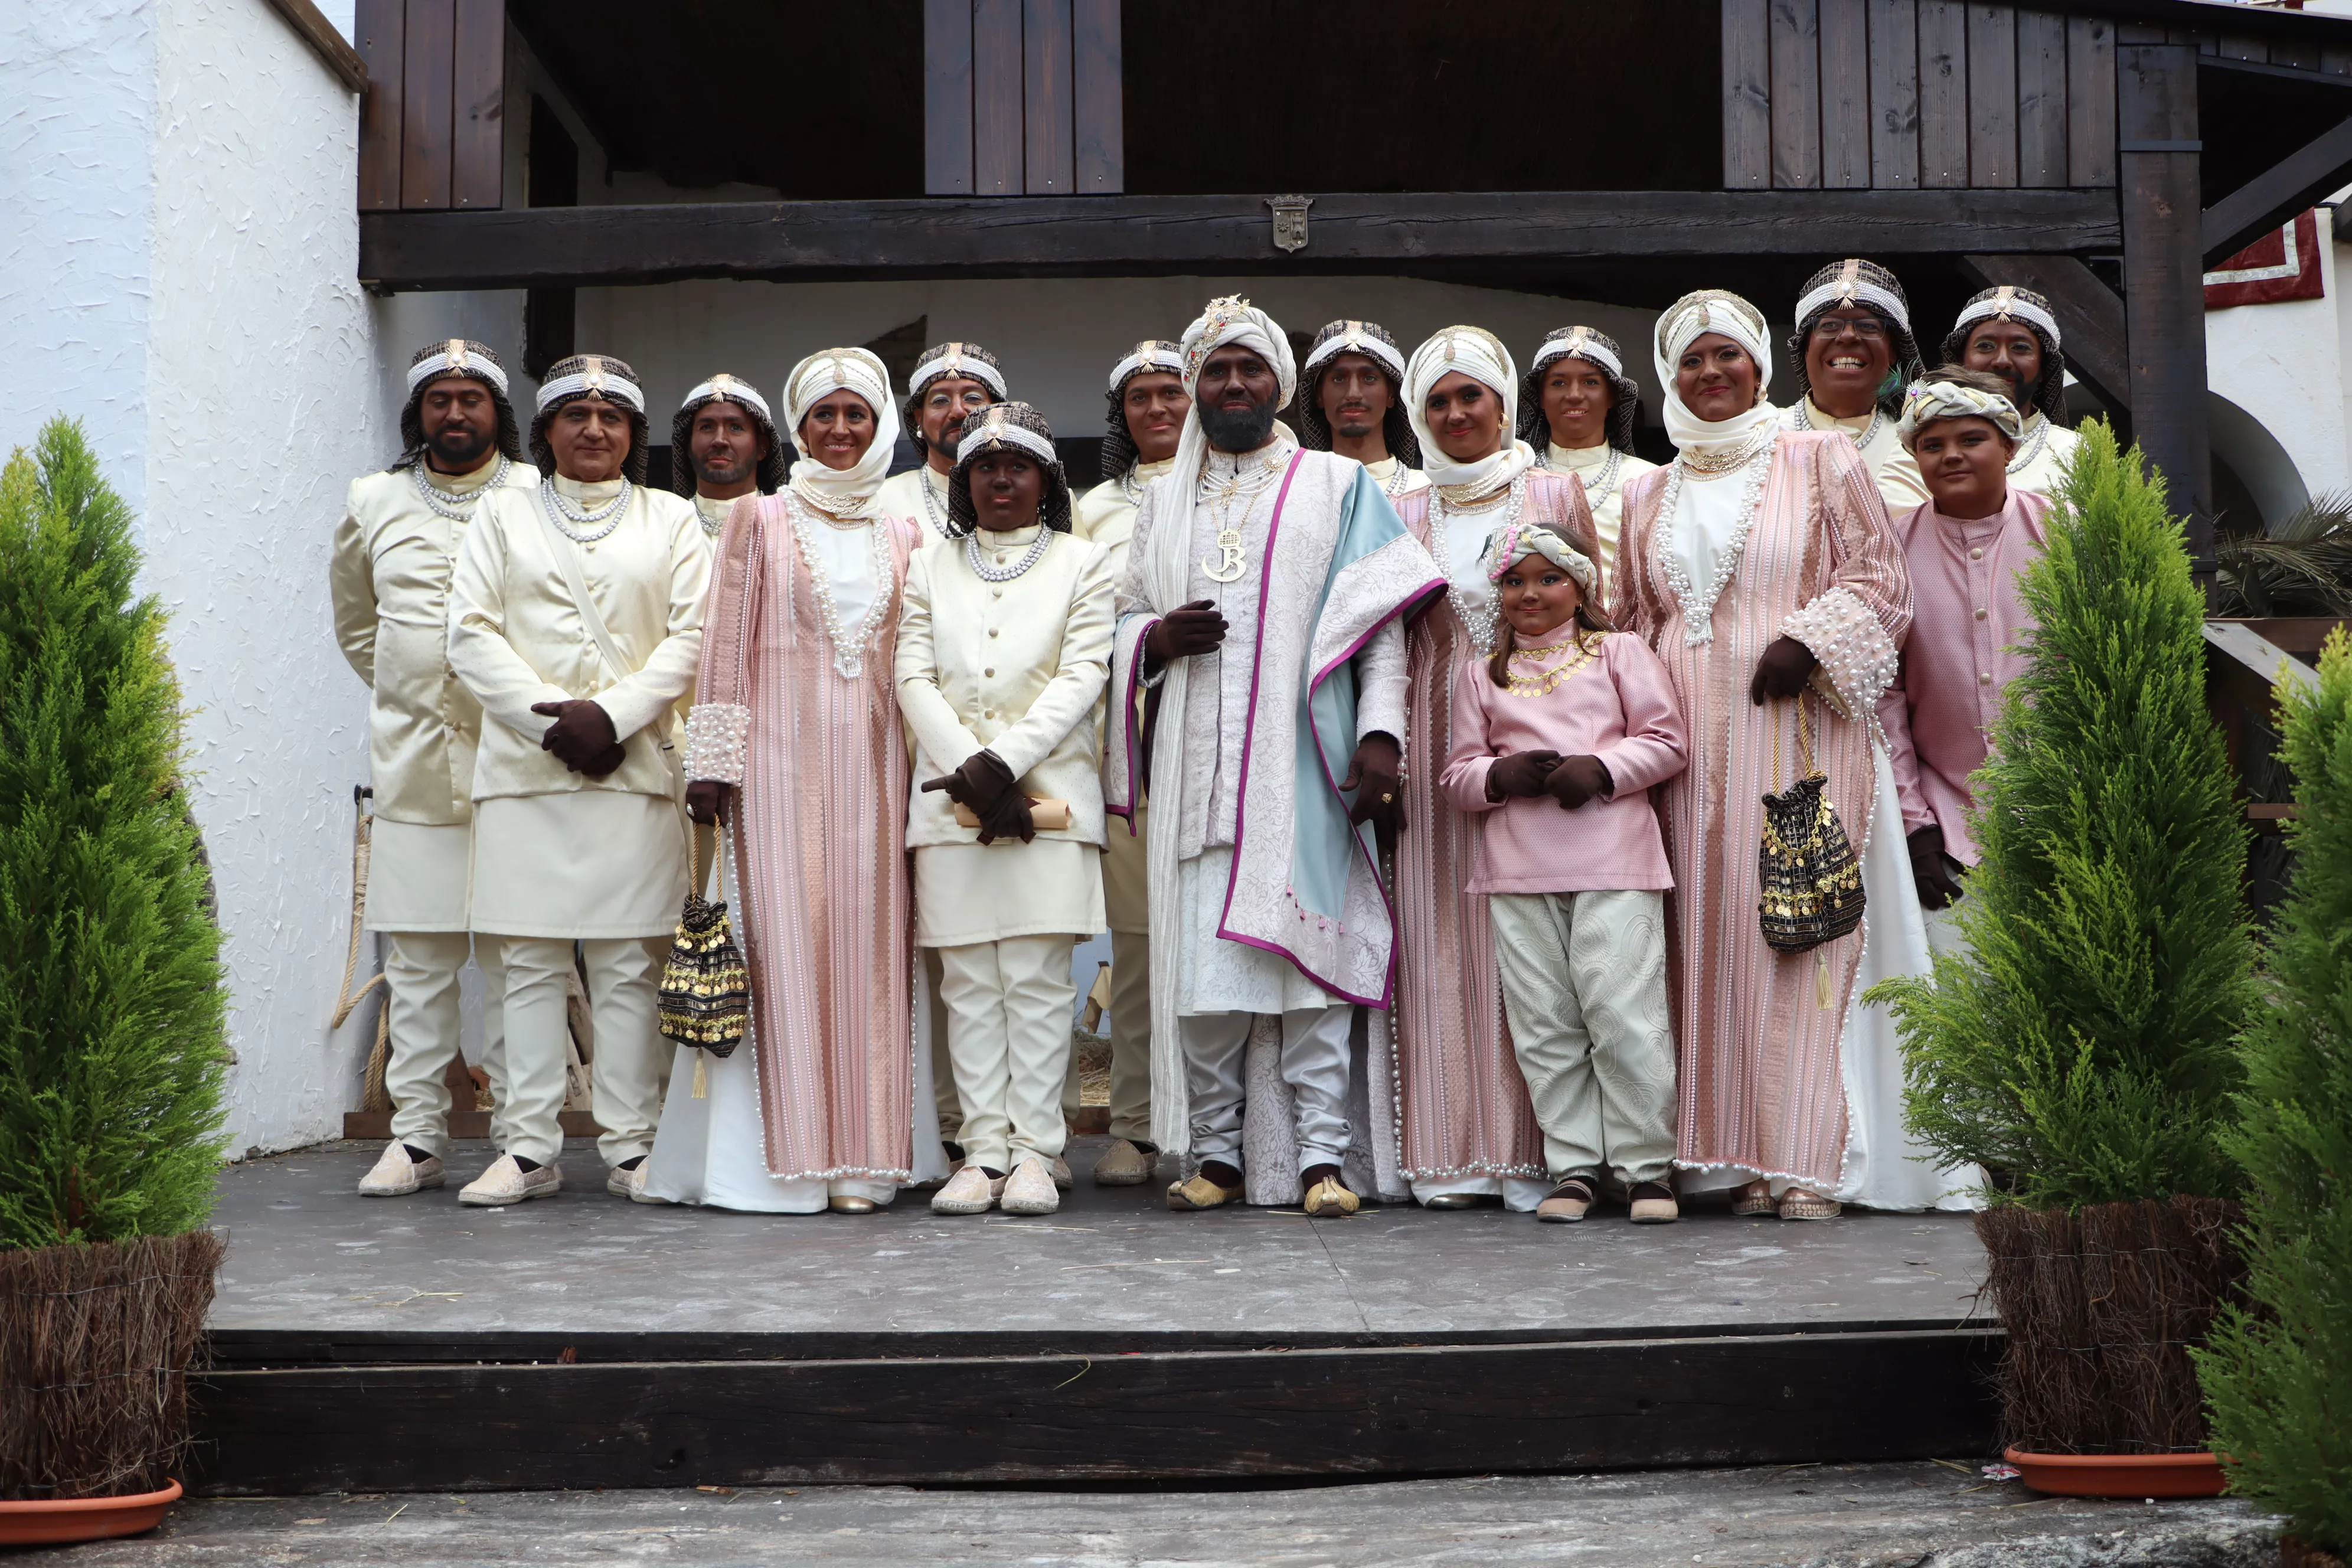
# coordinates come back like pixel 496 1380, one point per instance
pixel 1480 356
pixel 845 492
pixel 1930 400
pixel 1228 320
pixel 1685 323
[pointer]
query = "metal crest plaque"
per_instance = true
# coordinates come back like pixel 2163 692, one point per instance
pixel 1290 221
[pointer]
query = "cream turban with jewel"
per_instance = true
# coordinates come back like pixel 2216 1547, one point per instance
pixel 1230 319
pixel 845 492
pixel 1685 321
pixel 1928 401
pixel 1479 355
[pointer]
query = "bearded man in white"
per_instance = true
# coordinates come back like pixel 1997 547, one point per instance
pixel 1264 607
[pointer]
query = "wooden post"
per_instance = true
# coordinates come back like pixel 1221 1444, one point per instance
pixel 2164 273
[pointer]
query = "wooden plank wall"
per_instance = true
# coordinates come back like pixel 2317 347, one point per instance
pixel 431 126
pixel 1912 94
pixel 1022 97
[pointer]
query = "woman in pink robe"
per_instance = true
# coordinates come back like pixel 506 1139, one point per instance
pixel 1761 568
pixel 795 739
pixel 1466 1128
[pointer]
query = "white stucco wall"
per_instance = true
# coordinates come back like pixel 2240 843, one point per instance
pixel 76 197
pixel 2283 364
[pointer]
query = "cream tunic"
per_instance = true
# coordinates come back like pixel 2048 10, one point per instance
pixel 713 513
pixel 1608 510
pixel 2042 471
pixel 1384 474
pixel 1891 468
pixel 559 854
pixel 389 577
pixel 902 495
pixel 1107 517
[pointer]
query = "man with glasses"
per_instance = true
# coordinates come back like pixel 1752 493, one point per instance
pixel 951 381
pixel 1854 355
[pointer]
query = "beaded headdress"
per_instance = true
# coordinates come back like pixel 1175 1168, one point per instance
pixel 1119 453
pixel 1373 340
pixel 953 358
pixel 723 387
pixel 2010 303
pixel 1008 426
pixel 1599 350
pixel 1941 397
pixel 583 376
pixel 1853 284
pixel 438 361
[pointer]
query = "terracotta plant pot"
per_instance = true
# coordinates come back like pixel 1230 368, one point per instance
pixel 83 1518
pixel 2119 1475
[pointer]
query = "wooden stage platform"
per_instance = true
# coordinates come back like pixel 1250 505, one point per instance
pixel 411 1344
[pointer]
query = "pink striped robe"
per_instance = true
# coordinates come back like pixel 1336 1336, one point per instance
pixel 1760 1079
pixel 1464 1105
pixel 827 916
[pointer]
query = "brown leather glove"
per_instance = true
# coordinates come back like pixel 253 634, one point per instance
pixel 1376 772
pixel 1782 671
pixel 706 800
pixel 1182 632
pixel 1931 868
pixel 1578 779
pixel 1521 774
pixel 582 737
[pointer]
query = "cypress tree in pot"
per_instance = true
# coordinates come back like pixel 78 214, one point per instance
pixel 2082 1050
pixel 2279 1372
pixel 112 1018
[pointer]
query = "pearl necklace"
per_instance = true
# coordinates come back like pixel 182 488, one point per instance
pixel 932 507
pixel 565 512
pixel 1482 621
pixel 460 507
pixel 2026 454
pixel 1129 488
pixel 1697 607
pixel 849 644
pixel 1395 487
pixel 1604 484
pixel 1800 418
pixel 1029 557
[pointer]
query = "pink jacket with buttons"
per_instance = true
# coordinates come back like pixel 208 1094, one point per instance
pixel 1967 620
pixel 1619 707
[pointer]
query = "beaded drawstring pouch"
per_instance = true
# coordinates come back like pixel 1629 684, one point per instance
pixel 706 987
pixel 1810 878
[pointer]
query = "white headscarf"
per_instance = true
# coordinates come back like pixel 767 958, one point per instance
pixel 1228 320
pixel 845 492
pixel 1684 321
pixel 1480 356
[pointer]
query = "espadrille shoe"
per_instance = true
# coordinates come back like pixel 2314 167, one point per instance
pixel 507 1183
pixel 1566 1204
pixel 1652 1202
pixel 1030 1189
pixel 1326 1199
pixel 1200 1193
pixel 396 1174
pixel 630 1183
pixel 1063 1179
pixel 970 1191
pixel 1124 1165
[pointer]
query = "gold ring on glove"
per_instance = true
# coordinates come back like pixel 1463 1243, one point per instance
pixel 1389 799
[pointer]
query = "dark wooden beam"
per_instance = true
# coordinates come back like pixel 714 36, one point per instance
pixel 2164 273
pixel 2090 316
pixel 312 27
pixel 2285 189
pixel 1142 235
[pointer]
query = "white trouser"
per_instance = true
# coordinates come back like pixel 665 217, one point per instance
pixel 1008 1006
pixel 631 1062
pixel 1584 985
pixel 420 984
pixel 1314 1064
pixel 1130 1040
pixel 1944 929
pixel 943 1084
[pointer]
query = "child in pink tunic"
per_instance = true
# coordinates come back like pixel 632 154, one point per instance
pixel 1559 736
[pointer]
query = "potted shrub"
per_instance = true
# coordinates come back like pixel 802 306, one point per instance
pixel 113 1023
pixel 2082 1050
pixel 2278 1373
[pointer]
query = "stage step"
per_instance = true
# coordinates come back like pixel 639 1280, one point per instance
pixel 291 1412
